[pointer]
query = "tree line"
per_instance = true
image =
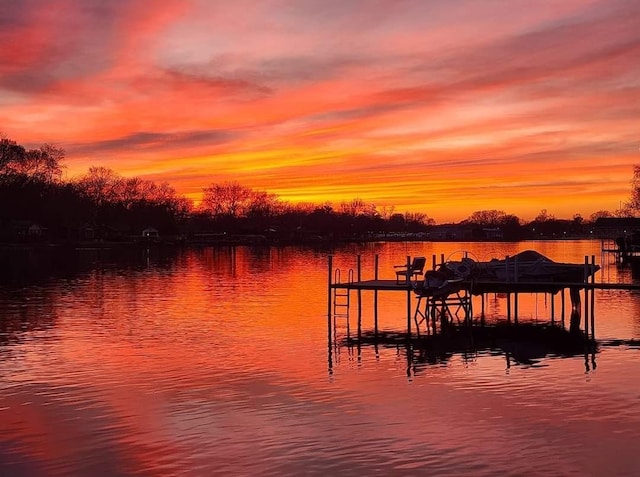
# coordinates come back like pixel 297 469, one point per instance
pixel 103 205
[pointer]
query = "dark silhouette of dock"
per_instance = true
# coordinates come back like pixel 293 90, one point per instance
pixel 443 308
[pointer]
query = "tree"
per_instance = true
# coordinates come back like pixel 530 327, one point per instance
pixel 10 154
pixel 544 216
pixel 263 204
pixel 357 207
pixel 634 200
pixel 229 199
pixel 43 164
pixel 101 185
pixel 387 211
pixel 487 217
pixel 599 214
pixel 33 165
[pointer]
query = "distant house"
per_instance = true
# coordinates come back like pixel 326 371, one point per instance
pixel 614 227
pixel 87 232
pixel 36 230
pixel 27 230
pixel 150 232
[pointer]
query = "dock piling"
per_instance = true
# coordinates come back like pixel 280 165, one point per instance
pixel 408 298
pixel 329 298
pixel 359 275
pixel 375 295
pixel 586 296
pixel 593 299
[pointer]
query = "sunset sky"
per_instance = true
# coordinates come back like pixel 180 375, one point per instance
pixel 441 107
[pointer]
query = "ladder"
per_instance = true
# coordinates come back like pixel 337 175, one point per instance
pixel 341 297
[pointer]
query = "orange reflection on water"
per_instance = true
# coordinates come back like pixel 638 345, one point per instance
pixel 216 359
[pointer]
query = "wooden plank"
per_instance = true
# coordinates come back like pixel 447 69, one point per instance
pixel 492 286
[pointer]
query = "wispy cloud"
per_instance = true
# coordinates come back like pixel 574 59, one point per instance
pixel 153 141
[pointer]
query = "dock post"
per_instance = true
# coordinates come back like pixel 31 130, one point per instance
pixel 330 265
pixel 593 299
pixel 433 262
pixel 375 296
pixel 482 309
pixel 408 298
pixel 506 274
pixel 574 324
pixel 553 308
pixel 408 314
pixel 515 295
pixel 562 312
pixel 359 274
pixel 586 296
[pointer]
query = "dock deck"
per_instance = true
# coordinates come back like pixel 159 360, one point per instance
pixel 490 286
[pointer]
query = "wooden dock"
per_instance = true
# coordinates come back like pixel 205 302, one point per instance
pixel 339 296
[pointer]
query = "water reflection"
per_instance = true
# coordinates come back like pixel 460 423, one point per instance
pixel 523 345
pixel 217 361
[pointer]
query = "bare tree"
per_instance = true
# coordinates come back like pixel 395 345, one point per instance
pixel 42 164
pixel 229 199
pixel 101 185
pixel 419 218
pixel 544 216
pixel 263 204
pixel 599 214
pixel 386 212
pixel 487 217
pixel 357 207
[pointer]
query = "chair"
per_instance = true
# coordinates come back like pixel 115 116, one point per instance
pixel 415 269
pixel 444 299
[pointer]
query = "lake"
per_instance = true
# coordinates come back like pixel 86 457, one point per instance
pixel 216 361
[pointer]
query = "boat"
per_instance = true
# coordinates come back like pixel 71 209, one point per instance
pixel 532 266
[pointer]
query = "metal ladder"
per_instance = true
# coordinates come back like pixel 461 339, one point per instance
pixel 341 297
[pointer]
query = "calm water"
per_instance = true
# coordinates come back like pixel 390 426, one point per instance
pixel 216 362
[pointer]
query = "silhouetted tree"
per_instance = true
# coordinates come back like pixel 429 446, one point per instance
pixel 418 218
pixel 229 199
pixel 509 224
pixel 100 185
pixel 599 214
pixel 487 218
pixel 34 165
pixel 544 216
pixel 357 207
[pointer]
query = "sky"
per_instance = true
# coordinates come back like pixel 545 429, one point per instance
pixel 439 107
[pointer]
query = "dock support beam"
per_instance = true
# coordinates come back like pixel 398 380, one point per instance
pixel 586 296
pixel 375 296
pixel 562 311
pixel 359 275
pixel 408 298
pixel 574 324
pixel 329 297
pixel 593 299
